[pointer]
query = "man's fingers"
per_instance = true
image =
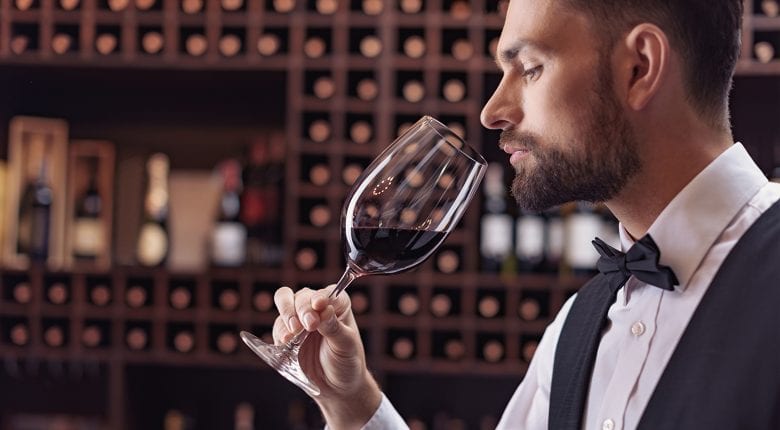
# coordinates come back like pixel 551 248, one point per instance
pixel 280 332
pixel 340 303
pixel 285 303
pixel 306 315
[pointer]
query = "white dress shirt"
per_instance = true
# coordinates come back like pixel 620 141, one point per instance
pixel 695 233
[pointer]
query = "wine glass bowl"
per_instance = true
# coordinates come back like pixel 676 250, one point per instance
pixel 398 212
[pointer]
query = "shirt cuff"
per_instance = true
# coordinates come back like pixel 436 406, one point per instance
pixel 385 418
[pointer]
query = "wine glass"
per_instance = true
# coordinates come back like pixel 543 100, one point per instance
pixel 399 211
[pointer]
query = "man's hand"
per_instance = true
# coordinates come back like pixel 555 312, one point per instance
pixel 333 356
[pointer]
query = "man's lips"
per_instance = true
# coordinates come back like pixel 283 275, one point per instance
pixel 515 154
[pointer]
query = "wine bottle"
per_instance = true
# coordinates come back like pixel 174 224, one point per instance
pixel 493 47
pixel 462 49
pixel 283 6
pixel 495 225
pixel 493 351
pixel 319 216
pixel 370 46
pixel 100 295
pixel 184 341
pixel 372 7
pixel 441 305
pixel 229 45
pixel 351 172
pixel 88 232
pixel 57 293
pixel 91 336
pixel 229 300
pixel 144 4
pixel 319 175
pixel 367 89
pixel 61 43
pixel 403 348
pixel 454 349
pixel 314 47
pixel 306 259
pixel 118 5
pixel 770 8
pixel 136 296
pixel 19 334
pixel 447 261
pixel 324 87
pixel 263 301
pixel 268 44
pixel 19 44
pixel 181 298
pixel 413 91
pixel 23 4
pixel 319 130
pixel 360 302
pixel 106 43
pixel 528 349
pixel 460 10
pixel 153 238
pixel 489 306
pixel 529 241
pixel 54 336
pixel 555 241
pixel 764 52
pixel 152 42
pixel 529 309
pixel 326 7
pixel 454 90
pixel 458 129
pixel 411 6
pixel 228 241
pixel 137 338
pixel 192 6
pixel 227 342
pixel 408 304
pixel 244 417
pixel 196 45
pixel 414 46
pixel 360 132
pixel 22 293
pixel 232 5
pixel 35 206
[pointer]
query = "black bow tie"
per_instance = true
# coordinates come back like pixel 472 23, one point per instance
pixel 641 261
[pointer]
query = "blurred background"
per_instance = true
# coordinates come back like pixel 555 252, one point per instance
pixel 165 165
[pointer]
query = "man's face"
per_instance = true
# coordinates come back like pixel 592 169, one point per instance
pixel 562 124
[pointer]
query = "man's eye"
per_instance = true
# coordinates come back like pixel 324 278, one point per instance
pixel 533 72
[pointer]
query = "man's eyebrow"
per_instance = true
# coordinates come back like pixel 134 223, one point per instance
pixel 508 55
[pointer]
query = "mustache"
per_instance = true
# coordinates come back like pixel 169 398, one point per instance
pixel 514 138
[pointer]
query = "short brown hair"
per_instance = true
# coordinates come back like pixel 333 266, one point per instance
pixel 705 33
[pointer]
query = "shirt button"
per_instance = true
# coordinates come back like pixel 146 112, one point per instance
pixel 608 425
pixel 637 328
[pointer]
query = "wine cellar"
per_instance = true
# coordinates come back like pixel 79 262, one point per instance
pixel 292 98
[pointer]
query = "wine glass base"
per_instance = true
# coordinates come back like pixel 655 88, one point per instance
pixel 283 360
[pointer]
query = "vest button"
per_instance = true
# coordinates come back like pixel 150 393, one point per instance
pixel 638 328
pixel 608 424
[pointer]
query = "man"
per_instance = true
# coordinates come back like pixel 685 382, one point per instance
pixel 623 102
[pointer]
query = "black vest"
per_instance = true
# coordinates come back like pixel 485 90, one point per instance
pixel 725 371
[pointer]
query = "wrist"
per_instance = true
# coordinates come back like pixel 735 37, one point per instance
pixel 354 410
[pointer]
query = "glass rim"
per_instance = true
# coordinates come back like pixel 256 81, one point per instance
pixel 437 126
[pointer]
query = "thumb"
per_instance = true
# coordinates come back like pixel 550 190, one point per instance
pixel 341 338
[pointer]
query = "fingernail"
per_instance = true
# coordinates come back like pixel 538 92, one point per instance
pixel 293 324
pixel 309 320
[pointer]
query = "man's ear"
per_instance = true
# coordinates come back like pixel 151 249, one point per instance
pixel 643 64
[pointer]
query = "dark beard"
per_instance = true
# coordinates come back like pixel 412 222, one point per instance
pixel 596 168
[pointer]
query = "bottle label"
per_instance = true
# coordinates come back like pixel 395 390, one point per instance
pixel 87 237
pixel 530 237
pixel 152 244
pixel 496 240
pixel 228 244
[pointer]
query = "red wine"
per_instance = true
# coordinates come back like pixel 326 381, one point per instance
pixel 379 250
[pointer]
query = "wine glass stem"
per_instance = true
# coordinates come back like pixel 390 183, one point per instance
pixel 295 343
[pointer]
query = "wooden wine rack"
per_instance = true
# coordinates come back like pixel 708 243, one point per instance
pixel 344 64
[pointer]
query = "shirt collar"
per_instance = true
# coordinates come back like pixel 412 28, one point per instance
pixel 689 225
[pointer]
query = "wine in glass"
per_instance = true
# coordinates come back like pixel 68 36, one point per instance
pixel 399 211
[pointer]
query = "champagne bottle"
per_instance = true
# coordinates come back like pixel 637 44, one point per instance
pixel 35 207
pixel 88 232
pixel 228 241
pixel 153 237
